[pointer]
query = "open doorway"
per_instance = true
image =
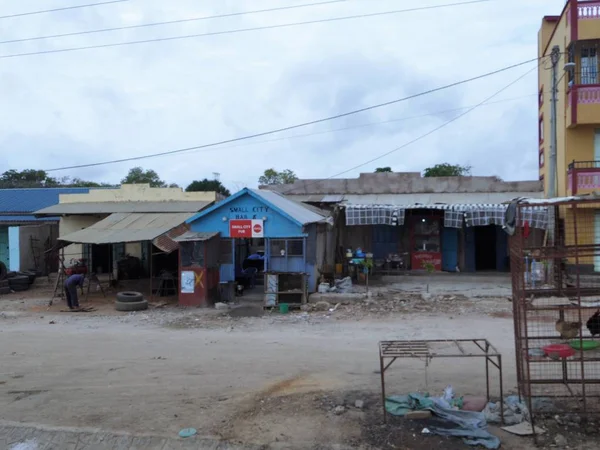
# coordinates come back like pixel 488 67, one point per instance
pixel 485 248
pixel 101 259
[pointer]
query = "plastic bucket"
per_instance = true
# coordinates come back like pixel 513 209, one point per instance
pixel 284 308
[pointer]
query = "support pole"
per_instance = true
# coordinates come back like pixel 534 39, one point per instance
pixel 552 166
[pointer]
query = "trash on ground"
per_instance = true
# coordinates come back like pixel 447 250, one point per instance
pixel 523 429
pixel 514 411
pixel 187 432
pixel 469 425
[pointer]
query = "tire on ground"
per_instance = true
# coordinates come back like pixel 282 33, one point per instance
pixel 131 306
pixel 5 290
pixel 129 296
pixel 19 280
pixel 3 283
pixel 20 287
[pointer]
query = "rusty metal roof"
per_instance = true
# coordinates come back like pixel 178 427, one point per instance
pixel 132 227
pixel 175 206
pixel 192 236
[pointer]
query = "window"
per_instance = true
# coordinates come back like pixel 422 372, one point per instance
pixel 589 65
pixel 295 247
pixel 541 97
pixel 541 129
pixel 542 158
pixel 287 247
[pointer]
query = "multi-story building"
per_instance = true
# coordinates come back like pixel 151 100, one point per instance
pixel 576 33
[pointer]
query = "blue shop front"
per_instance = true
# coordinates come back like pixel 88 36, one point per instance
pixel 264 237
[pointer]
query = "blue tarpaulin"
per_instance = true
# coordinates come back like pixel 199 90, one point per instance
pixel 470 426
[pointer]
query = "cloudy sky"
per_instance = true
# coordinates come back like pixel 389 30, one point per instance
pixel 79 107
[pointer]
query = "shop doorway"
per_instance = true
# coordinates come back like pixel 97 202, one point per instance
pixel 485 248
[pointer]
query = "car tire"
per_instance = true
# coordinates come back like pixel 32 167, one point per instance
pixel 129 297
pixel 20 287
pixel 3 283
pixel 19 280
pixel 131 306
pixel 30 275
pixel 5 290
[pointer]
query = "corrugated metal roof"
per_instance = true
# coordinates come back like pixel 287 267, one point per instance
pixel 15 219
pixel 30 200
pixel 133 227
pixel 124 207
pixel 191 236
pixel 304 214
pixel 166 242
pixel 430 198
pixel 318 198
pixel 441 206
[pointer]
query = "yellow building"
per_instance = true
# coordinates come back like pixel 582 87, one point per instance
pixel 576 34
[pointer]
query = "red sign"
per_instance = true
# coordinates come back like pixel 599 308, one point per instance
pixel 245 228
pixel 419 259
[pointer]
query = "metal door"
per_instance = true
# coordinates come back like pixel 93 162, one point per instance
pixel 469 249
pixel 385 241
pixel 4 248
pixel 449 249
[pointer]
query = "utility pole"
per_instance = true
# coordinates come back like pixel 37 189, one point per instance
pixel 552 163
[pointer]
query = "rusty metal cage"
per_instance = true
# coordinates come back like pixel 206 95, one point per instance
pixel 556 294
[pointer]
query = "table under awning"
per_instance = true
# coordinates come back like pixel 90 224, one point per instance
pixel 160 228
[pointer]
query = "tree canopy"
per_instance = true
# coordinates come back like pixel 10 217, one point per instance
pixel 447 170
pixel 208 185
pixel 138 175
pixel 383 170
pixel 273 177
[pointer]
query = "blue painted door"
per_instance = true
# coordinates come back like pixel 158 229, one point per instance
pixel 501 250
pixel 385 241
pixel 449 249
pixel 4 247
pixel 469 249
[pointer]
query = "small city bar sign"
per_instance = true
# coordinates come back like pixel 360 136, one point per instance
pixel 248 212
pixel 244 228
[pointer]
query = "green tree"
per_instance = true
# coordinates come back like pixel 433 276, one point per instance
pixel 272 177
pixel 29 178
pixel 138 175
pixel 383 170
pixel 447 170
pixel 208 185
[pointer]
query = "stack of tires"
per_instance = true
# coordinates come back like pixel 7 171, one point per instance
pixel 14 281
pixel 130 301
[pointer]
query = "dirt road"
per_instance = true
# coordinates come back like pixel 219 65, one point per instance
pixel 259 381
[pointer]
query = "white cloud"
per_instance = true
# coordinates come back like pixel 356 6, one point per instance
pixel 95 105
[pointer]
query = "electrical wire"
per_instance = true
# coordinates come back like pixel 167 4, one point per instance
pixel 291 127
pixel 240 30
pixel 171 22
pixel 31 13
pixel 364 125
pixel 423 136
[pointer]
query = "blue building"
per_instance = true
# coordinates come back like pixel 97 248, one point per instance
pixel 281 234
pixel 24 237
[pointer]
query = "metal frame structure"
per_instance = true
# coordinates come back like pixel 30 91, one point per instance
pixel 430 349
pixel 555 282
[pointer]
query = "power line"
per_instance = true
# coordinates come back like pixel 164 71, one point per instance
pixel 369 124
pixel 429 133
pixel 171 22
pixel 240 30
pixel 291 127
pixel 31 13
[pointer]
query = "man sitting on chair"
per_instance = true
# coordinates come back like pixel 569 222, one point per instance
pixel 71 284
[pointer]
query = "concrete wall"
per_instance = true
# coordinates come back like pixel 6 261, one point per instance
pixel 138 192
pixel 407 183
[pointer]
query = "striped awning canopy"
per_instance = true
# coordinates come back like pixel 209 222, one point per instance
pixel 455 215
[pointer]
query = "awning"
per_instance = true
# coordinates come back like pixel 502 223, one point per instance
pixel 134 227
pixel 471 214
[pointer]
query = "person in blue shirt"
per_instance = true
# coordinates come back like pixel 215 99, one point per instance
pixel 71 284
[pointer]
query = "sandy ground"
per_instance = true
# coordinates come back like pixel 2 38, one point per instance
pixel 254 380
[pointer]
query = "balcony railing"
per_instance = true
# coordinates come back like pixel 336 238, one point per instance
pixel 583 177
pixel 588 10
